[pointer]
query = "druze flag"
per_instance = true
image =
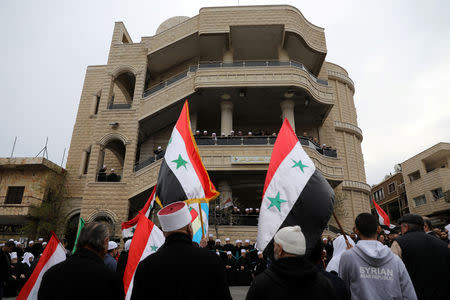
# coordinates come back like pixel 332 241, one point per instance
pixel 295 193
pixel 146 240
pixel 182 176
pixel 129 227
pixel 383 218
pixel 53 254
pixel 197 228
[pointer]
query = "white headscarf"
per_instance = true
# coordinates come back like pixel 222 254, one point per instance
pixel 339 246
pixel 127 245
pixel 26 258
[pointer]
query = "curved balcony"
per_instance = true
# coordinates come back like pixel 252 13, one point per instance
pixel 347 127
pixel 342 78
pixel 242 73
pixel 356 185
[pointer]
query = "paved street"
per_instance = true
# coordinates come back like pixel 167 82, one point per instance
pixel 238 292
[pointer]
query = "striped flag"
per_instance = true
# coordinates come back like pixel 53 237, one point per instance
pixel 81 224
pixel 295 193
pixel 146 240
pixel 129 227
pixel 383 218
pixel 196 223
pixel 53 254
pixel 182 176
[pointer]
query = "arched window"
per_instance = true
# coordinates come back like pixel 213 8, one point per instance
pixel 123 91
pixel 112 158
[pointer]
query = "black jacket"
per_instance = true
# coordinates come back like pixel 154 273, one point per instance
pixel 291 278
pixel 427 260
pixel 5 266
pixel 178 270
pixel 82 276
pixel 122 263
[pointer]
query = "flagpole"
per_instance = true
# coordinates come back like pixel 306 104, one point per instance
pixel 201 220
pixel 342 230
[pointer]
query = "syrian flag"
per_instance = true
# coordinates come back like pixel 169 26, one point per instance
pixel 295 193
pixel 182 176
pixel 146 240
pixel 228 203
pixel 383 218
pixel 129 227
pixel 53 254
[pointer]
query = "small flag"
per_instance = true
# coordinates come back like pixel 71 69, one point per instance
pixel 81 224
pixel 129 227
pixel 182 176
pixel 53 254
pixel 295 193
pixel 383 218
pixel 228 203
pixel 146 240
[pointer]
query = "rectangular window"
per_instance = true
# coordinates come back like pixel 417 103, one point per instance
pixel 421 200
pixel 437 193
pixel 379 194
pixel 414 176
pixel 14 195
pixel 391 187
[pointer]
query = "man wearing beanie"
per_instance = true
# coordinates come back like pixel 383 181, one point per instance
pixel 178 270
pixel 291 275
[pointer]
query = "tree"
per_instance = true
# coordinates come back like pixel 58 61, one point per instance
pixel 47 216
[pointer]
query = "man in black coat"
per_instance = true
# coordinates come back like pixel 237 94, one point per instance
pixel 178 270
pixel 291 275
pixel 426 258
pixel 5 264
pixel 84 275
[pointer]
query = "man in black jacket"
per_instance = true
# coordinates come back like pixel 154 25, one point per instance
pixel 5 265
pixel 178 270
pixel 426 258
pixel 84 275
pixel 291 275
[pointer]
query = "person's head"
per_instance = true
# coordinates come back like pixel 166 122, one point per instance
pixel 176 218
pixel 411 223
pixel 427 226
pixel 113 171
pixel 289 241
pixel 211 237
pixel 40 240
pixel 381 238
pixel 325 241
pixel 247 243
pixel 95 237
pixel 366 226
pixel 227 241
pixel 203 243
pixel 243 253
pixel 260 255
pixel 127 245
pixel 44 244
pixel 218 242
pixel 13 256
pixel 229 254
pixel 30 243
pixel 9 246
pixel 112 248
pixel 353 236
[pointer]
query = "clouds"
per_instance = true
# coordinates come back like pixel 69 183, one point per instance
pixel 397 53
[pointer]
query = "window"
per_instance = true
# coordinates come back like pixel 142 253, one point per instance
pixel 391 187
pixel 421 200
pixel 14 195
pixel 414 176
pixel 437 193
pixel 379 194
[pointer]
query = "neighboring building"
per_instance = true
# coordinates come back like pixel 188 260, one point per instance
pixel 22 185
pixel 390 195
pixel 427 182
pixel 243 69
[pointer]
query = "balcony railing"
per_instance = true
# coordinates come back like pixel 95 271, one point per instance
pixel 236 64
pixel 119 106
pixel 148 161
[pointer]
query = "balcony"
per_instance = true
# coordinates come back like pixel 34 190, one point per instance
pixel 18 209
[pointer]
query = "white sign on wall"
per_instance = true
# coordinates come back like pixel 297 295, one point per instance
pixel 252 160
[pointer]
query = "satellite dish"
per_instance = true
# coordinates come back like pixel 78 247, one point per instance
pixel 398 168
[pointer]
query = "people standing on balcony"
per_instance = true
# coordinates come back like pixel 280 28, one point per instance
pixel 239 133
pixel 232 133
pixel 101 177
pixel 113 177
pixel 197 133
pixel 205 133
pixel 213 135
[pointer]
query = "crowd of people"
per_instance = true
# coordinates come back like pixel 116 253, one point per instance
pixel 366 264
pixel 103 176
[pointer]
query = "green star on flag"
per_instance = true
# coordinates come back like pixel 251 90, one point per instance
pixel 299 164
pixel 170 141
pixel 276 201
pixel 180 162
pixel 153 247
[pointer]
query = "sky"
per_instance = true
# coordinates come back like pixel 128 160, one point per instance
pixel 396 52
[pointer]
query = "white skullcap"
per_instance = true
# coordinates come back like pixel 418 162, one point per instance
pixel 247 241
pixel 13 255
pixel 30 242
pixel 210 235
pixel 291 239
pixel 243 250
pixel 44 243
pixel 11 240
pixel 217 252
pixel 174 216
pixel 228 252
pixel 40 239
pixel 16 243
pixel 112 245
pixel 237 241
pixel 260 252
pixel 127 245
pixel 247 209
pixel 217 240
pixel 2 244
pixel 325 239
pixel 227 239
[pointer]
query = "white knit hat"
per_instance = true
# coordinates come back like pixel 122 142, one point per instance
pixel 112 245
pixel 228 252
pixel 13 255
pixel 227 239
pixel 218 241
pixel 291 239
pixel 174 216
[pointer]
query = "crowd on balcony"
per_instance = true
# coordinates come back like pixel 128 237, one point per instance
pixel 112 176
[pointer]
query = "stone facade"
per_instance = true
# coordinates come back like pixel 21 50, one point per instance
pixel 28 175
pixel 236 78
pixel 427 182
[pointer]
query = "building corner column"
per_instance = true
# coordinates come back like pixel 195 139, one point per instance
pixel 287 111
pixel 226 118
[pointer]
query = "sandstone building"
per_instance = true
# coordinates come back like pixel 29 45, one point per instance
pixel 242 69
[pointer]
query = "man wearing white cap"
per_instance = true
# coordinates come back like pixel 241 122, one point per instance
pixel 110 257
pixel 211 242
pixel 230 266
pixel 228 246
pixel 291 275
pixel 179 270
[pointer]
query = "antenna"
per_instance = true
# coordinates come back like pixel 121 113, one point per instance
pixel 14 146
pixel 62 160
pixel 44 150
